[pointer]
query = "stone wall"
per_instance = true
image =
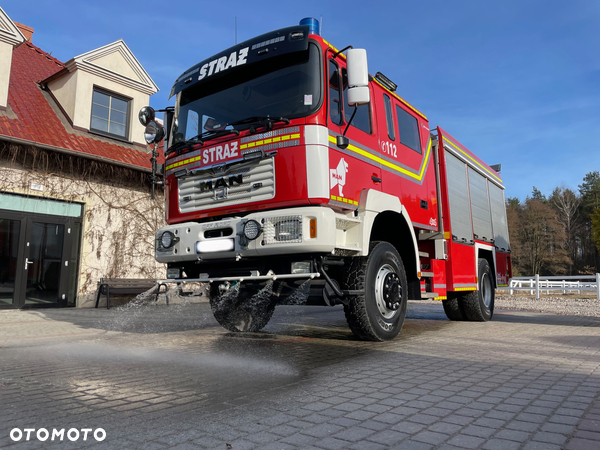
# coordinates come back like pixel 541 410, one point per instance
pixel 120 219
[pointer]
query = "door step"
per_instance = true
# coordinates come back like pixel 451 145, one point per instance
pixel 429 295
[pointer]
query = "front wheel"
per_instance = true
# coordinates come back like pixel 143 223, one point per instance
pixel 377 314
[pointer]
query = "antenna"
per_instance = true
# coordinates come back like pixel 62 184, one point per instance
pixel 236 29
pixel 321 26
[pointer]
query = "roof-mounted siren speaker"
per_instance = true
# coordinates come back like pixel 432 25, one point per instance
pixel 313 25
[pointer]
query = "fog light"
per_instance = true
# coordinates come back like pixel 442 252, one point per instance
pixel 252 229
pixel 301 267
pixel 173 272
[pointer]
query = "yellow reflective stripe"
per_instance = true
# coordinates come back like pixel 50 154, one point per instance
pixel 344 200
pixel 397 97
pixel 335 50
pixel 466 289
pixel 184 162
pixel 441 298
pixel 471 158
pixel 242 147
pixel 287 137
pixel 417 176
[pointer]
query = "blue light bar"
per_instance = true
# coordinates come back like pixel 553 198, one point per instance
pixel 313 25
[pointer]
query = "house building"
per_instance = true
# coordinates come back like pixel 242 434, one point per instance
pixel 74 167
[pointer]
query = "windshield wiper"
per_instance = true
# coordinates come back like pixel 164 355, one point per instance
pixel 201 139
pixel 260 121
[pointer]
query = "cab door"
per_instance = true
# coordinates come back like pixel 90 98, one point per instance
pixel 352 169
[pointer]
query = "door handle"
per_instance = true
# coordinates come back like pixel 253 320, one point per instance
pixel 27 262
pixel 375 179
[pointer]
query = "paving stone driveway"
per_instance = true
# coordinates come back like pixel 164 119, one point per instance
pixel 169 377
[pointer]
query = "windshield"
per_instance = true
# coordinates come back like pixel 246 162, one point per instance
pixel 288 86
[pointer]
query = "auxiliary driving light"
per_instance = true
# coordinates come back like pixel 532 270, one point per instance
pixel 252 230
pixel 167 239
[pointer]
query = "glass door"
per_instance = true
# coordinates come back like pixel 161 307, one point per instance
pixel 43 263
pixel 10 234
pixel 39 257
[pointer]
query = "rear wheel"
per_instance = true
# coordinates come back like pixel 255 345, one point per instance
pixel 478 305
pixel 453 309
pixel 377 314
pixel 242 308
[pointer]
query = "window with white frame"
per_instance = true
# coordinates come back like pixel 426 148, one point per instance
pixel 110 113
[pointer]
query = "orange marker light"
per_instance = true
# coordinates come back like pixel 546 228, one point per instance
pixel 313 228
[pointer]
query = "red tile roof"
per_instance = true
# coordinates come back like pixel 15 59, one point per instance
pixel 38 122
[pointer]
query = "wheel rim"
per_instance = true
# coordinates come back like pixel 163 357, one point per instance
pixel 388 291
pixel 486 290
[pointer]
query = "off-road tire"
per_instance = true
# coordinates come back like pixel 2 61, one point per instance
pixel 369 274
pixel 453 309
pixel 478 305
pixel 240 313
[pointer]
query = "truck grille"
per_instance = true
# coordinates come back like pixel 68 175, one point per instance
pixel 246 184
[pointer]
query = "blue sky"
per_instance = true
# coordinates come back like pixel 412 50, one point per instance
pixel 517 82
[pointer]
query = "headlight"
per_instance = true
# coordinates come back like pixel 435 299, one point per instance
pixel 282 229
pixel 167 239
pixel 288 230
pixel 252 229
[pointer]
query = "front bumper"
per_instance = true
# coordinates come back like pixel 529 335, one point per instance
pixel 248 278
pixel 283 232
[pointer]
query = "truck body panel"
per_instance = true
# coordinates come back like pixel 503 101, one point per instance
pixel 324 186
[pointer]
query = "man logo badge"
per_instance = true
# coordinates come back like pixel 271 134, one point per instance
pixel 221 182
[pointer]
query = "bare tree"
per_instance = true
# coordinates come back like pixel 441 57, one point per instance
pixel 537 239
pixel 566 204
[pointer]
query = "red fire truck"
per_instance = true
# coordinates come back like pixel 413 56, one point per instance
pixel 289 169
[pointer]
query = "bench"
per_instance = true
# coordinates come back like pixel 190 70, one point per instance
pixel 106 286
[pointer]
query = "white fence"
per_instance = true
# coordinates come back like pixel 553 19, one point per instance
pixel 565 284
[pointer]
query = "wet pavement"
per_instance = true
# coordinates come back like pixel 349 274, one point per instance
pixel 153 376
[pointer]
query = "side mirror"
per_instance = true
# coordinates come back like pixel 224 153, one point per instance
pixel 146 115
pixel 358 77
pixel 154 132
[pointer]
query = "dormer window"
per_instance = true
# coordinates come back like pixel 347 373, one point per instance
pixel 110 114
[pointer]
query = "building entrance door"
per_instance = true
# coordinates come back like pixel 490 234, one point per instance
pixel 38 259
pixel 43 268
pixel 10 240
